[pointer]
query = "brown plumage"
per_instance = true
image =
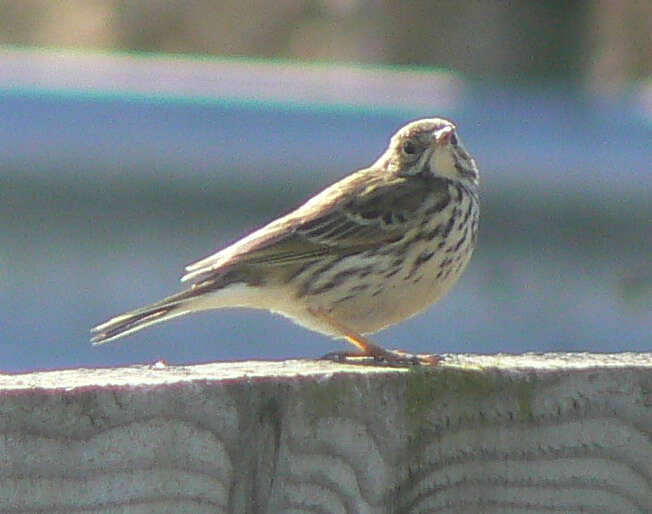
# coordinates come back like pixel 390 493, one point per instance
pixel 371 250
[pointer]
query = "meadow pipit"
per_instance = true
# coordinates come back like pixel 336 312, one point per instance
pixel 371 250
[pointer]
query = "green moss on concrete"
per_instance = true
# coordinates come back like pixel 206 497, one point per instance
pixel 329 397
pixel 428 388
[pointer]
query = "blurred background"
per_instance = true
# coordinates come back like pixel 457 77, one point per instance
pixel 136 137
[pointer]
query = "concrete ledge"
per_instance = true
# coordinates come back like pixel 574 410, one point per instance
pixel 529 433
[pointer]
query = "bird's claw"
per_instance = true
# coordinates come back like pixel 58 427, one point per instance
pixel 393 358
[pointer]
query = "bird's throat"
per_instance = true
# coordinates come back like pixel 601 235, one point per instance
pixel 442 163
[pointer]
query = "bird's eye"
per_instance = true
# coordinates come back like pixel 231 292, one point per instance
pixel 409 148
pixel 453 139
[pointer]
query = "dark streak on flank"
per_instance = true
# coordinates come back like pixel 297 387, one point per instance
pixel 307 285
pixel 458 245
pixel 337 280
pixel 344 298
pixel 467 214
pixel 359 287
pixel 422 258
pixel 462 239
pixel 403 249
pixel 445 264
pixel 449 225
pixel 429 236
pixel 392 272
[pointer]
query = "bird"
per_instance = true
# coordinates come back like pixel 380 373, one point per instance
pixel 369 251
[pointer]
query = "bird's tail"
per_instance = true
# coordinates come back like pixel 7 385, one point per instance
pixel 132 321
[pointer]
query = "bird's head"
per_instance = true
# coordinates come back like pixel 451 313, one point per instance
pixel 429 147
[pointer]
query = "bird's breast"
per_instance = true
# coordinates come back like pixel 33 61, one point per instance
pixel 380 287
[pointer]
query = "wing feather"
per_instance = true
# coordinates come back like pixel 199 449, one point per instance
pixel 363 211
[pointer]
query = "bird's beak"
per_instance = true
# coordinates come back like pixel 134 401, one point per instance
pixel 442 135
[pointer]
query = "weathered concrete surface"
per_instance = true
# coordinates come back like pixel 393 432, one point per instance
pixel 530 433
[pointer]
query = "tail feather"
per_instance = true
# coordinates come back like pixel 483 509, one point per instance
pixel 132 321
pixel 200 296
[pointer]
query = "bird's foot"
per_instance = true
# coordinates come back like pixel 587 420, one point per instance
pixel 370 353
pixel 393 359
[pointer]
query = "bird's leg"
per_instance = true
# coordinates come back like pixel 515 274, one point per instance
pixel 367 347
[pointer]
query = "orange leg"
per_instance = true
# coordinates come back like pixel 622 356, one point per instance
pixel 370 349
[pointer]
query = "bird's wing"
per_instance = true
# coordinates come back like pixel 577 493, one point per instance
pixel 363 211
